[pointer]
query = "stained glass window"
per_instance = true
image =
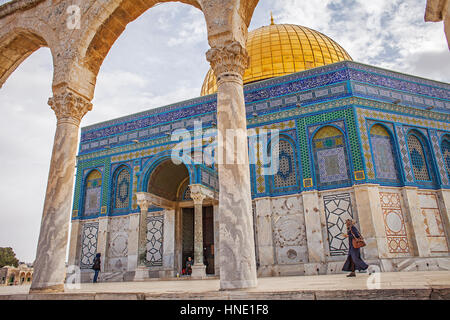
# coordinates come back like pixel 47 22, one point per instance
pixel 122 189
pixel 418 158
pixel 93 189
pixel 445 147
pixel 384 154
pixel 330 157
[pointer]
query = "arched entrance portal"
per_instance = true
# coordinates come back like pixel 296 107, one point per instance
pixel 184 228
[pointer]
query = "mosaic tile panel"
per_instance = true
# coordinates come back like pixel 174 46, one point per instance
pixel 287 173
pixel 384 154
pixel 418 160
pixel 136 170
pixel 362 114
pixel 446 155
pixel 394 223
pixel 155 238
pixel 338 208
pixel 122 189
pixel 260 178
pixel 432 219
pixel 305 122
pixel 103 163
pixel 330 157
pixel 93 193
pixel 282 86
pixel 404 154
pixel 442 155
pixel 88 244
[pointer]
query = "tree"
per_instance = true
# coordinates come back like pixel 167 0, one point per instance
pixel 8 257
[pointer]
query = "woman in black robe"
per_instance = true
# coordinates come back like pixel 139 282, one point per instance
pixel 354 261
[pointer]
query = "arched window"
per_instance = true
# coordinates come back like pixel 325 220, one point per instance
pixel 445 148
pixel 121 189
pixel 420 156
pixel 384 154
pixel 286 178
pixel 330 158
pixel 92 196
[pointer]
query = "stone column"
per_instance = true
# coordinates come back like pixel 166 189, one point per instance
pixel 141 270
pixel 199 268
pixel 237 254
pixel 49 266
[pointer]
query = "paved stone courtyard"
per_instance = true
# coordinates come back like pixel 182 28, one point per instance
pixel 393 285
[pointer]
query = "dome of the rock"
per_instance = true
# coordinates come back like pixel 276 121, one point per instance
pixel 281 49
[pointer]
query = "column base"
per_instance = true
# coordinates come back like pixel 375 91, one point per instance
pixel 141 273
pixel 198 272
pixel 50 289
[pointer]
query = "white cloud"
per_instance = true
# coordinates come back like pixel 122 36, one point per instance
pixel 385 33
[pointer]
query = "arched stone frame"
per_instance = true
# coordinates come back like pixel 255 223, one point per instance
pixel 285 141
pixel 115 185
pixel 21 41
pixel 85 189
pixel 341 151
pixel 151 165
pixel 445 150
pixel 394 160
pixel 227 23
pixel 422 157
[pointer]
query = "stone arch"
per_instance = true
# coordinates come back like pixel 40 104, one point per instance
pixel 16 46
pixel 108 22
pixel 165 178
pixel 331 157
pixel 384 153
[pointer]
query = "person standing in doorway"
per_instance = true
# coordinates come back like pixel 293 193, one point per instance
pixel 189 264
pixel 354 261
pixel 96 266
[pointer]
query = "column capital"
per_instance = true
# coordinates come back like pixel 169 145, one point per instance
pixel 142 199
pixel 200 193
pixel 69 107
pixel 229 59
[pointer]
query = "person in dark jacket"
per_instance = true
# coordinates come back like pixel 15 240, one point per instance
pixel 354 261
pixel 189 264
pixel 96 266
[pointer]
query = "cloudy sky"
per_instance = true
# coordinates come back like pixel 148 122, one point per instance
pixel 160 59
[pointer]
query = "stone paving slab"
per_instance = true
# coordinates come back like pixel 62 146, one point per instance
pixel 393 285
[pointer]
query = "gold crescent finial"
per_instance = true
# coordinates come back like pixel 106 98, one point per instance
pixel 271 19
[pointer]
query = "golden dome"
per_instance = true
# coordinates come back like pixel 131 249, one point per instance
pixel 281 49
